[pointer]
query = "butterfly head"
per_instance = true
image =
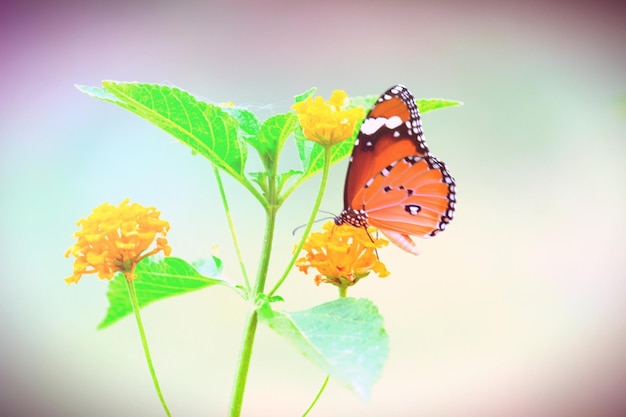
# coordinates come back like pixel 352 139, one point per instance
pixel 356 218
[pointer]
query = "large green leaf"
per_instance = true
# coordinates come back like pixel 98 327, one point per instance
pixel 344 337
pixel 157 280
pixel 206 128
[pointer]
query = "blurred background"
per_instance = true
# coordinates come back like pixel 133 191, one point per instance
pixel 516 310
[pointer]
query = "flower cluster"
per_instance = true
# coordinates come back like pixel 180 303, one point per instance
pixel 113 239
pixel 328 123
pixel 342 254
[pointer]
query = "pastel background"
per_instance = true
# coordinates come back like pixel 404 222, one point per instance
pixel 516 310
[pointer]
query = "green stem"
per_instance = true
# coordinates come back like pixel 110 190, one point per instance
pixel 244 363
pixel 317 397
pixel 231 226
pixel 252 320
pixel 343 291
pixel 133 299
pixel 309 225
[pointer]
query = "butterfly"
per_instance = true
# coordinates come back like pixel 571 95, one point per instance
pixel 393 182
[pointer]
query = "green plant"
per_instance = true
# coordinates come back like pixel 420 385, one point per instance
pixel 115 241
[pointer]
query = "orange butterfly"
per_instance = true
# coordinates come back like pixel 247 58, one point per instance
pixel 393 182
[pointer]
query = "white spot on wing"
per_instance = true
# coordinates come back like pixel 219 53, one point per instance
pixel 371 125
pixel 393 122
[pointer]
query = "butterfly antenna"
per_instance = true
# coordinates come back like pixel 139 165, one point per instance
pixel 293 232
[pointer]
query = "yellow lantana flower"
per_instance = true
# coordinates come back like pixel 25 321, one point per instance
pixel 113 239
pixel 328 123
pixel 342 254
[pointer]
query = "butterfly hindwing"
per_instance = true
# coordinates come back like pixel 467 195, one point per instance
pixel 413 198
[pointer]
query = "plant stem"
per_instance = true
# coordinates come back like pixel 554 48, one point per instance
pixel 343 291
pixel 133 299
pixel 251 323
pixel 244 363
pixel 231 226
pixel 309 225
pixel 317 397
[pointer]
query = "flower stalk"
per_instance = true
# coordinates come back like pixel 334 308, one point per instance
pixel 231 226
pixel 250 327
pixel 309 225
pixel 144 342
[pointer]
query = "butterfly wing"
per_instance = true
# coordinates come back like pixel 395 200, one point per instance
pixel 392 177
pixel 416 197
pixel 391 130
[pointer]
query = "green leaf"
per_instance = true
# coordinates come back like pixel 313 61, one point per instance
pixel 306 148
pixel 362 101
pixel 260 178
pixel 312 154
pixel 430 104
pixel 272 136
pixel 157 280
pixel 344 337
pixel 98 92
pixel 282 179
pixel 424 105
pixel 286 178
pixel 248 122
pixel 262 299
pixel 206 128
pixel 275 299
pixel 305 95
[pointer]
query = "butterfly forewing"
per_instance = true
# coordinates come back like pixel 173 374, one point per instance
pixel 370 163
pixel 391 129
